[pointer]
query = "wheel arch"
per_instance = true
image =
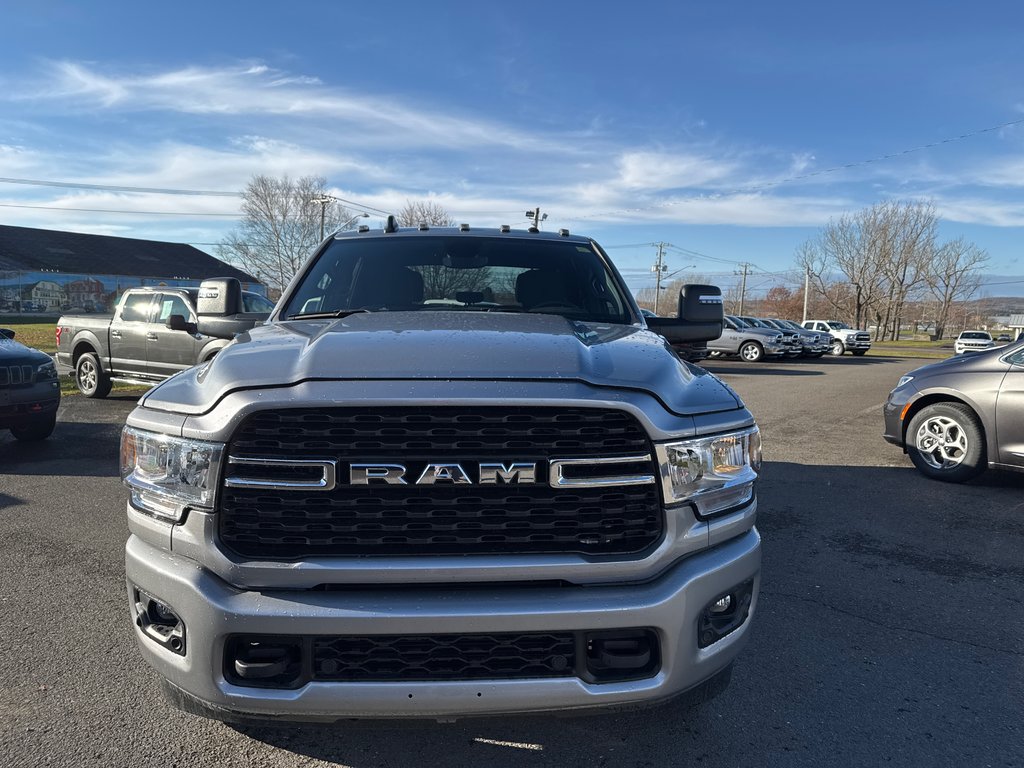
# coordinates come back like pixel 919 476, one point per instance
pixel 83 347
pixel 957 398
pixel 210 350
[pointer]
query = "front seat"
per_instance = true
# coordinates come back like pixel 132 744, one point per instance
pixel 386 286
pixel 540 287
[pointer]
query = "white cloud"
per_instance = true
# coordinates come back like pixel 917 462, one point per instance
pixel 666 170
pixel 258 90
pixel 978 210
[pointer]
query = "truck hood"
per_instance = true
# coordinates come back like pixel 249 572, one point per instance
pixel 438 345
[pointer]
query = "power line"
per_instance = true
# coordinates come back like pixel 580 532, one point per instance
pixel 118 188
pixel 110 210
pixel 144 190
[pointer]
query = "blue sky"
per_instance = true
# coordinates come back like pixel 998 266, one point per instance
pixel 724 129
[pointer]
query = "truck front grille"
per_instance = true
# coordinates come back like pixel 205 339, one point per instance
pixel 441 518
pixel 444 657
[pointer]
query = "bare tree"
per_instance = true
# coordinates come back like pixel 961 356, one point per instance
pixel 954 276
pixel 781 301
pixel 439 281
pixel 424 212
pixel 281 224
pixel 868 264
pixel 908 231
pixel 669 302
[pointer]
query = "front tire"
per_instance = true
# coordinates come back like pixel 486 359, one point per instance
pixel 945 442
pixel 39 429
pixel 838 348
pixel 752 352
pixel 90 378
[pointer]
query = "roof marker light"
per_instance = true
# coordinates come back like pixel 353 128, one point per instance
pixel 463 227
pixel 563 232
pixel 505 228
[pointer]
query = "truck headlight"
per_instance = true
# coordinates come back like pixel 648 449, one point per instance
pixel 168 474
pixel 715 474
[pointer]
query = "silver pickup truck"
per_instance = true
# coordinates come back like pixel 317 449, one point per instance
pixel 154 333
pixel 844 338
pixel 457 473
pixel 750 343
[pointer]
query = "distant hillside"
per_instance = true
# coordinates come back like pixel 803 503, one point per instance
pixel 1000 305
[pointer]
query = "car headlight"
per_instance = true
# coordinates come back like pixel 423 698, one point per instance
pixel 167 475
pixel 715 474
pixel 46 372
pixel 904 380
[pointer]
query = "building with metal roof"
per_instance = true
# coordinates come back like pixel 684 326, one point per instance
pixel 45 271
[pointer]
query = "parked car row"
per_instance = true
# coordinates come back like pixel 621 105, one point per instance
pixel 757 338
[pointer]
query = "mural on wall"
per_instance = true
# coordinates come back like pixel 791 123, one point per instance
pixel 55 293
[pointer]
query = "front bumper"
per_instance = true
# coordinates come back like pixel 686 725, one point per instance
pixel 854 344
pixel 21 407
pixel 213 610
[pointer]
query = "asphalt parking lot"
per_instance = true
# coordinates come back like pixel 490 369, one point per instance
pixel 889 631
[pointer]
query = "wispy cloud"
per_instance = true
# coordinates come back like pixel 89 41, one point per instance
pixel 671 170
pixel 253 90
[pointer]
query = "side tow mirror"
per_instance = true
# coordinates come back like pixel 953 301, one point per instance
pixel 179 323
pixel 701 316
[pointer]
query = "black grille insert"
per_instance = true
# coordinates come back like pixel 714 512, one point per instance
pixel 444 657
pixel 442 518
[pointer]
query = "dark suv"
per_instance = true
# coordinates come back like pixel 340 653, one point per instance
pixel 956 417
pixel 29 391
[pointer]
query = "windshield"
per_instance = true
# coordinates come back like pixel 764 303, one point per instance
pixel 737 322
pixel 980 335
pixel 839 326
pixel 460 273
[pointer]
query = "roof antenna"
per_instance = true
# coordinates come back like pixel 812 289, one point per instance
pixel 392 223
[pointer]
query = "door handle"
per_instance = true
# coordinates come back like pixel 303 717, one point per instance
pixel 151 337
pixel 115 334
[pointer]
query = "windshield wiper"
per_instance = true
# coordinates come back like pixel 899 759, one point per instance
pixel 322 315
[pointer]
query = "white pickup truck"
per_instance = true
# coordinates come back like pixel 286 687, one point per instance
pixel 844 338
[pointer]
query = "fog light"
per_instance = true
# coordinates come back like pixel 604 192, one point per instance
pixel 159 622
pixel 163 613
pixel 722 605
pixel 724 614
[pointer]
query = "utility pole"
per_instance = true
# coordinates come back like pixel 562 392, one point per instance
pixel 658 268
pixel 807 287
pixel 743 286
pixel 536 217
